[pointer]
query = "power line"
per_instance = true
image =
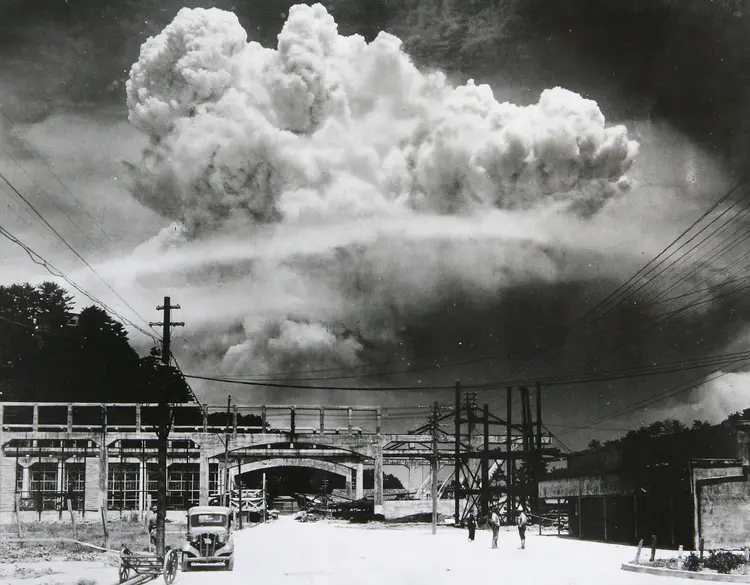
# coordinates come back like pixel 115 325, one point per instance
pixel 54 174
pixel 64 241
pixel 643 271
pixel 308 387
pixel 41 261
pixel 49 197
pixel 674 391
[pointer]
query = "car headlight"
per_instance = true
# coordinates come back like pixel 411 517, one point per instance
pixel 221 539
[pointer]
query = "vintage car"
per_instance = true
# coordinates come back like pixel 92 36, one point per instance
pixel 209 537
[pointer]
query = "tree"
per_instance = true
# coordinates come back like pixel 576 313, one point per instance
pixel 45 357
pixel 595 444
pixel 390 482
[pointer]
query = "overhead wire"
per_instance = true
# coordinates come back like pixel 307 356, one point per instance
pixel 73 250
pixel 41 261
pixel 53 173
pixel 662 396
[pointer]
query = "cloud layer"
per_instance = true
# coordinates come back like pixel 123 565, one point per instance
pixel 339 196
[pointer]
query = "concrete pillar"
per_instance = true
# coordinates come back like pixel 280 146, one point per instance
pixel 232 471
pixel 411 480
pixel 35 418
pixel 25 480
pixel 138 418
pixel 358 487
pixel 70 418
pixel 349 480
pixel 378 479
pixel 59 484
pixel 203 475
pixel 91 493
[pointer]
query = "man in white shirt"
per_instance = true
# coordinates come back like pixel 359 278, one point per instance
pixel 521 522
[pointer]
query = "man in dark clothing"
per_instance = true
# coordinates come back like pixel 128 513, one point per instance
pixel 471 523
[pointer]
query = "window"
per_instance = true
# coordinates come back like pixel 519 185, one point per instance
pixel 122 486
pixel 208 520
pixel 213 479
pixel 75 479
pixel 43 494
pixel 183 486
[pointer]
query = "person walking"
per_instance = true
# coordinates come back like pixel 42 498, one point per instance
pixel 521 522
pixel 494 523
pixel 471 523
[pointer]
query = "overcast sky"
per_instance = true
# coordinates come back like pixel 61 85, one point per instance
pixel 435 289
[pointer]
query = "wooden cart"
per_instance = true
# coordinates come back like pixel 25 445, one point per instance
pixel 149 565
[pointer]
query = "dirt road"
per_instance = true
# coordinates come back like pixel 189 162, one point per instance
pixel 296 553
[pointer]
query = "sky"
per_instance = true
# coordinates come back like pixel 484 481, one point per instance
pixel 327 212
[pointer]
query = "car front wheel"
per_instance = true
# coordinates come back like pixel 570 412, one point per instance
pixel 230 563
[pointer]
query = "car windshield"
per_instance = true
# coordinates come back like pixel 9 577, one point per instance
pixel 208 520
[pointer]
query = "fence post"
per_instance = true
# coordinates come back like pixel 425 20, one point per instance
pixel 72 517
pixel 104 525
pixel 18 513
pixel 638 552
pixel 653 547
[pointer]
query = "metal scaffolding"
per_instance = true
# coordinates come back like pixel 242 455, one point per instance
pixel 498 474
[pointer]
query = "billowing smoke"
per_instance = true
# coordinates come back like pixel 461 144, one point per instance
pixel 332 199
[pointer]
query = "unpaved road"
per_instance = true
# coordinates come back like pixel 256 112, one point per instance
pixel 293 553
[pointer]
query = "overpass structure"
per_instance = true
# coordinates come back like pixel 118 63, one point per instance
pixel 103 457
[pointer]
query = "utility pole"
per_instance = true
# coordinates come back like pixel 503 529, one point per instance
pixel 434 466
pixel 457 458
pixel 166 417
pixel 226 454
pixel 265 504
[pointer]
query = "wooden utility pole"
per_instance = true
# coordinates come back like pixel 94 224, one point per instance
pixel 538 457
pixel 486 492
pixel 510 466
pixel 166 417
pixel 227 499
pixel 239 488
pixel 457 458
pixel 434 466
pixel 264 498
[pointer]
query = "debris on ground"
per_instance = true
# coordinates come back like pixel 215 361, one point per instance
pixel 26 573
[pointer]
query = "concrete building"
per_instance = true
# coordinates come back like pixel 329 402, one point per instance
pixel 692 489
pixel 103 457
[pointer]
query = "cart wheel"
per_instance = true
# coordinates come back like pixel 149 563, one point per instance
pixel 171 562
pixel 124 572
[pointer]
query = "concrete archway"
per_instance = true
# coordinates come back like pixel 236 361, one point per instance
pixel 340 469
pixel 343 470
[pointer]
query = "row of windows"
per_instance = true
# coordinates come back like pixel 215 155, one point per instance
pixel 44 492
pixel 123 485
